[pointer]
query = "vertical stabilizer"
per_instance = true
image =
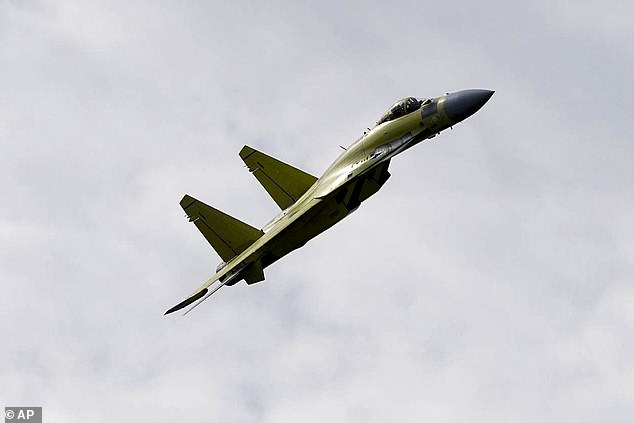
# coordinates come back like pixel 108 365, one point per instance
pixel 226 234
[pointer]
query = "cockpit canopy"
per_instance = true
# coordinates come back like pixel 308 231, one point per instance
pixel 401 108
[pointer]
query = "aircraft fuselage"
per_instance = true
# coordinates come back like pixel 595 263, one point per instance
pixel 358 173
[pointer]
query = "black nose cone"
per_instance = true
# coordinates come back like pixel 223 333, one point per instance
pixel 462 104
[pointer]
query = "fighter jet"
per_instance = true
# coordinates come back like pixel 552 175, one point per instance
pixel 311 205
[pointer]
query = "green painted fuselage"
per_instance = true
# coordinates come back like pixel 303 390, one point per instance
pixel 358 173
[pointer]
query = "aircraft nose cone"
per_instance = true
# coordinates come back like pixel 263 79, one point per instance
pixel 460 105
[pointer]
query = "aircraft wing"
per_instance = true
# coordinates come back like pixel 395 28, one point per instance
pixel 284 183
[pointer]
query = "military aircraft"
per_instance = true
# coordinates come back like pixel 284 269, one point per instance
pixel 311 205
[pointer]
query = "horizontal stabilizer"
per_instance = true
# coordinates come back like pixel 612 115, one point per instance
pixel 187 301
pixel 202 293
pixel 226 234
pixel 284 183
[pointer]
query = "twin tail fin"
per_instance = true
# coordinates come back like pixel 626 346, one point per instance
pixel 226 234
pixel 284 183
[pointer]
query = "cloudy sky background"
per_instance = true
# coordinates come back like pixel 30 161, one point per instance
pixel 490 280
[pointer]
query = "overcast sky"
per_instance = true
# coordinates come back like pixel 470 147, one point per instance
pixel 491 279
